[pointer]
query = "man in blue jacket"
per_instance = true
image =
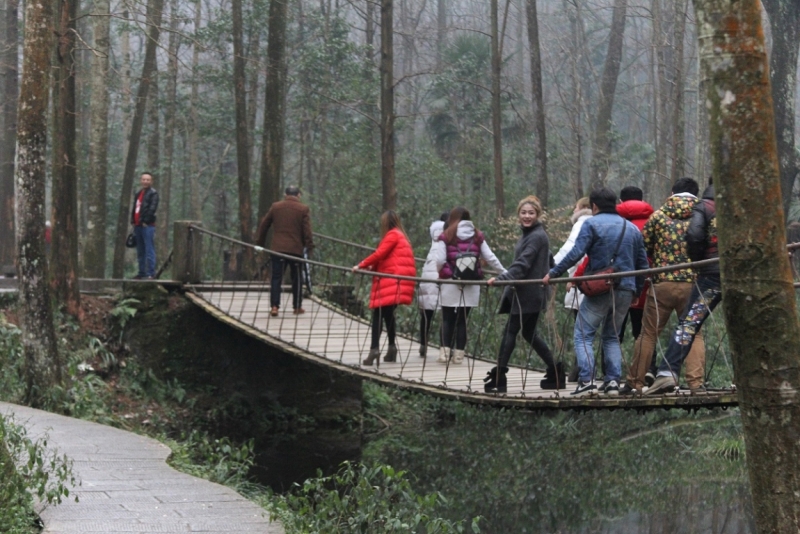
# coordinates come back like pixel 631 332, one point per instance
pixel 599 238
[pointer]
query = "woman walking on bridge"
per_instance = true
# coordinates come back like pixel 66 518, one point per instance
pixel 525 302
pixel 393 256
pixel 458 244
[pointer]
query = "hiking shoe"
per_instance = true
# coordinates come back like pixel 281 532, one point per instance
pixel 699 390
pixel 274 311
pixel 299 311
pixel 584 388
pixel 611 388
pixel 649 378
pixel 663 384
pixel 628 390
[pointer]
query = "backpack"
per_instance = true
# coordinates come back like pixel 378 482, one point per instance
pixel 467 264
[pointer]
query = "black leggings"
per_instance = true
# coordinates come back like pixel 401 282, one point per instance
pixel 385 313
pixel 527 323
pixel 425 321
pixel 454 326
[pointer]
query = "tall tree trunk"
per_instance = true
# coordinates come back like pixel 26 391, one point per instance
pixel 94 251
pixel 575 99
pixel 154 129
pixel 678 114
pixel 195 208
pixel 165 187
pixel 441 30
pixel 64 251
pixel 154 10
pixel 540 151
pixel 8 64
pixel 42 366
pixel 784 20
pixel 254 58
pixel 388 184
pixel 760 309
pixel 601 147
pixel 497 132
pixel 274 108
pixel 242 140
pixel 661 99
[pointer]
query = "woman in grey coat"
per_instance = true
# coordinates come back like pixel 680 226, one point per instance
pixel 525 302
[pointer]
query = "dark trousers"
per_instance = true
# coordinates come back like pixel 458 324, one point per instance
pixel 146 250
pixel 635 316
pixel 454 326
pixel 527 323
pixel 296 270
pixel 706 294
pixel 386 315
pixel 425 321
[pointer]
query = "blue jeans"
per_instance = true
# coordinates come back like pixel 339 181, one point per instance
pixel 146 250
pixel 609 311
pixel 295 267
pixel 706 294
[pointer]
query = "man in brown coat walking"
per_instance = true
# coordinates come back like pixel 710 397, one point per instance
pixel 291 222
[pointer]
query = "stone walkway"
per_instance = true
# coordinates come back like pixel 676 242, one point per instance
pixel 128 487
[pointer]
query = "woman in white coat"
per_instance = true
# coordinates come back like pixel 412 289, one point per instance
pixel 458 300
pixel 428 295
pixel 582 211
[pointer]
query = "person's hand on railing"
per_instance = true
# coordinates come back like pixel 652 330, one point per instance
pixel 490 281
pixel 570 285
pixel 259 249
pixel 546 279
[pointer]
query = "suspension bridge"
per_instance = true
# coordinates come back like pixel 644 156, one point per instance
pixel 226 278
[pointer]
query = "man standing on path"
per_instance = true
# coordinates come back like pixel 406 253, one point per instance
pixel 291 221
pixel 701 244
pixel 143 219
pixel 607 239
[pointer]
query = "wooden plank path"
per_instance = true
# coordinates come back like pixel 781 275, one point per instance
pixel 329 336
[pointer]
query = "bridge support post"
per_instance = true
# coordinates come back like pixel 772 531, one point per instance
pixel 187 252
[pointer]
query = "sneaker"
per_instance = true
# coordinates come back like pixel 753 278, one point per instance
pixel 628 390
pixel 700 390
pixel 611 388
pixel 584 388
pixel 663 384
pixel 649 378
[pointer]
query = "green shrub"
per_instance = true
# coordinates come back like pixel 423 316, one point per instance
pixel 365 500
pixel 28 469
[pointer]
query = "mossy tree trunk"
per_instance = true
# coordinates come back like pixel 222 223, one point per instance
pixel 8 139
pixel 388 185
pixel 42 365
pixel 759 299
pixel 537 100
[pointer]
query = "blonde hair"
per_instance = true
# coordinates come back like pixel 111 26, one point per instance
pixel 533 201
pixel 583 203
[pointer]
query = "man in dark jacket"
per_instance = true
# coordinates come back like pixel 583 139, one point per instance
pixel 143 219
pixel 603 240
pixel 701 244
pixel 291 223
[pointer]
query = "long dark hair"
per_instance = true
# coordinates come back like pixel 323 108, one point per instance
pixel 457 214
pixel 390 220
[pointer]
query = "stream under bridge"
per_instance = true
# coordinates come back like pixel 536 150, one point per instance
pixel 229 279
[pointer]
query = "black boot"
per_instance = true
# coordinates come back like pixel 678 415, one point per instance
pixel 573 373
pixel 554 377
pixel 496 382
pixel 391 354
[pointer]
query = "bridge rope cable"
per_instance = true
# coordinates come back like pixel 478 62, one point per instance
pixel 238 287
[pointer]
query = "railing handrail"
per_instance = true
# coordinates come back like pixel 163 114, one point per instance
pixel 621 274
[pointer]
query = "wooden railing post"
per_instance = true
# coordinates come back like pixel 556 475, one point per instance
pixel 187 266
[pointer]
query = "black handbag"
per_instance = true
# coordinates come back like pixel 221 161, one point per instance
pixel 130 241
pixel 600 286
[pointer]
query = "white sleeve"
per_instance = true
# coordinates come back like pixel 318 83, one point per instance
pixel 566 247
pixel 491 259
pixel 439 254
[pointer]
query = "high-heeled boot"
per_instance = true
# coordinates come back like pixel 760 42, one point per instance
pixel 374 356
pixel 391 354
pixel 496 381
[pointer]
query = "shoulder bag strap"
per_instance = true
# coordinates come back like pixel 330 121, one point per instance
pixel 619 241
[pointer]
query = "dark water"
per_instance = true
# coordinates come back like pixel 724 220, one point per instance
pixel 600 472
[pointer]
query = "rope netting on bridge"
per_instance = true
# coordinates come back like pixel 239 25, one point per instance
pixel 336 323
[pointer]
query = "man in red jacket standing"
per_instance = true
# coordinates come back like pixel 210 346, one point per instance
pixel 291 220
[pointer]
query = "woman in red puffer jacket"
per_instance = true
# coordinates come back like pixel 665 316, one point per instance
pixel 393 256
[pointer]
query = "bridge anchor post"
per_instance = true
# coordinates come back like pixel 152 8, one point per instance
pixel 187 266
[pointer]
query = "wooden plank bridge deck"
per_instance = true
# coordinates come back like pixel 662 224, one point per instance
pixel 329 336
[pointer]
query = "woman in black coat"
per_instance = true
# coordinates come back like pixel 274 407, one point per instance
pixel 525 302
